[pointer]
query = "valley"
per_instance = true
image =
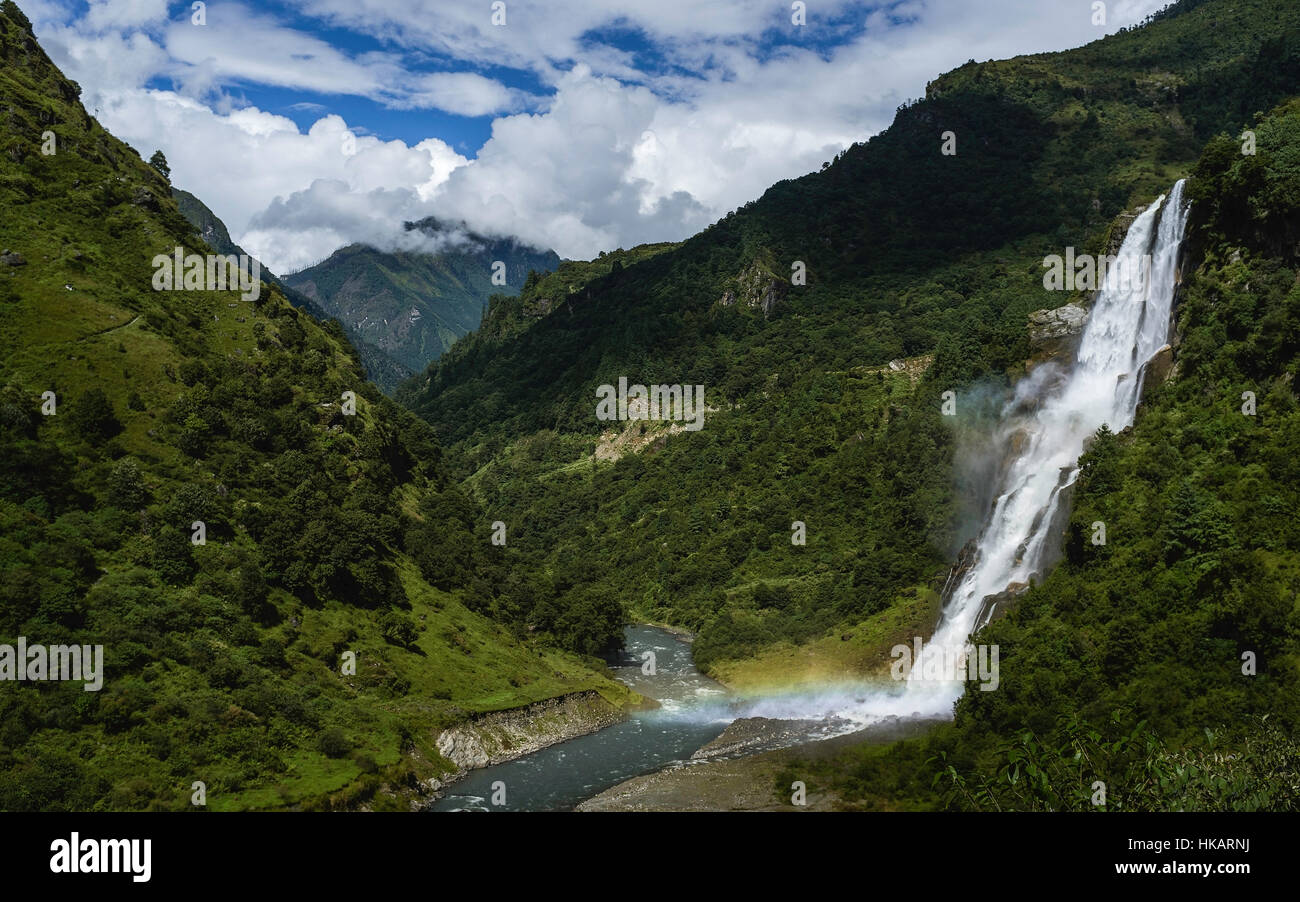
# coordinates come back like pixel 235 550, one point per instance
pixel 445 522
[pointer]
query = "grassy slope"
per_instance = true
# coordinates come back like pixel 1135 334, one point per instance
pixel 381 368
pixel 212 673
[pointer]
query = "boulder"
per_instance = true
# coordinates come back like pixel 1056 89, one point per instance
pixel 995 607
pixel 1161 364
pixel 143 197
pixel 1051 327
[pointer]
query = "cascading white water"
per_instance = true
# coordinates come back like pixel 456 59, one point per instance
pixel 1051 416
pixel 1044 428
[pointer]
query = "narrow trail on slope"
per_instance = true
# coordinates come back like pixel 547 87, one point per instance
pixel 101 332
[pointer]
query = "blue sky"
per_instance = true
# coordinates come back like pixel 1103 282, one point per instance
pixel 464 133
pixel 575 125
pixel 651 59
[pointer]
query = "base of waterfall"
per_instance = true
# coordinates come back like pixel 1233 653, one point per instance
pixel 921 663
pixel 729 774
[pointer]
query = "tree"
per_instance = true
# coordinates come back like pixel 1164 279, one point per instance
pixel 333 743
pixel 159 162
pixel 93 418
pixel 126 486
pixel 251 591
pixel 767 596
pixel 194 436
pixel 171 556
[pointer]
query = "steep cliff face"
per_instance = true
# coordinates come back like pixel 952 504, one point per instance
pixel 1052 330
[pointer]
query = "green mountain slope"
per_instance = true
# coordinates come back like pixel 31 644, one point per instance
pixel 909 254
pixel 413 306
pixel 1187 618
pixel 382 369
pixel 323 533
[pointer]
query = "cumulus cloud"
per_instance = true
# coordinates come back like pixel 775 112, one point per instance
pixel 305 227
pixel 245 162
pixel 621 151
pixel 563 178
pixel 462 93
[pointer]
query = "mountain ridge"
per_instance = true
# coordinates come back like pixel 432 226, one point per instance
pixel 411 305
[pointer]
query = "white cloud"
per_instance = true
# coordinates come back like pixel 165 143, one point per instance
pixel 462 93
pixel 563 178
pixel 610 164
pixel 619 154
pixel 112 59
pixel 105 14
pixel 239 164
pixel 124 43
pixel 238 46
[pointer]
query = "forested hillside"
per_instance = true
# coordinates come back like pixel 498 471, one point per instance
pixel 183 481
pixel 910 254
pixel 380 367
pixel 1186 620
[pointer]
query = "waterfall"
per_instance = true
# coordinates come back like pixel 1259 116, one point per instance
pixel 1052 414
pixel 1044 427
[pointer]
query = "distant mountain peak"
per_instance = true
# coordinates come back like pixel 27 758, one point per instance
pixel 413 304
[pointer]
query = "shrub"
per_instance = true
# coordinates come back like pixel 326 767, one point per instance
pixel 333 744
pixel 398 629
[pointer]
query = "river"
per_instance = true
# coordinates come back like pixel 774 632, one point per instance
pixel 692 712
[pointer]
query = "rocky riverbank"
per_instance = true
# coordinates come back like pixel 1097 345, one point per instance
pixel 713 781
pixel 505 735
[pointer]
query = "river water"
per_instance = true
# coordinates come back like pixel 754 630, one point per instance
pixel 692 712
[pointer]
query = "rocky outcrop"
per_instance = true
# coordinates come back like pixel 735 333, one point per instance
pixel 143 197
pixel 912 367
pixel 539 306
pixel 755 734
pixel 1052 330
pixel 1158 370
pixel 966 559
pixel 12 259
pixel 636 436
pixel 1119 229
pixel 757 288
pixel 995 607
pixel 506 735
